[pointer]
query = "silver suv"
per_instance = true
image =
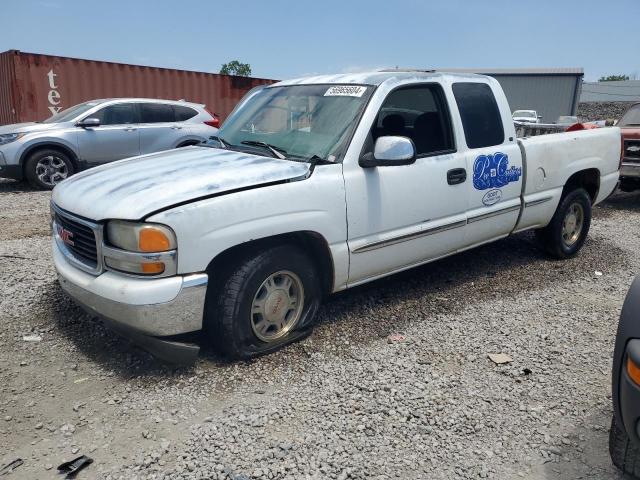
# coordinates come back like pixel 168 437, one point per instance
pixel 97 132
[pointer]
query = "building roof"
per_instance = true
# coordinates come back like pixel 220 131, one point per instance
pixel 620 91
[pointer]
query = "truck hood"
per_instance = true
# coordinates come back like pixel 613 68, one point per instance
pixel 31 127
pixel 133 188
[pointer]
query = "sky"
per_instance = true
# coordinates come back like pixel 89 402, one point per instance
pixel 284 39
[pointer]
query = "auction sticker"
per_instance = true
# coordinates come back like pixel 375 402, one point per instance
pixel 345 91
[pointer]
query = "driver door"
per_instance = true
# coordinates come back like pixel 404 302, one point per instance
pixel 401 216
pixel 115 138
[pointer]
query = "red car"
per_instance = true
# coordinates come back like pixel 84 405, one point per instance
pixel 630 170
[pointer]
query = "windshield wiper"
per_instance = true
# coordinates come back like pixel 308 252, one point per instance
pixel 272 148
pixel 218 139
pixel 317 159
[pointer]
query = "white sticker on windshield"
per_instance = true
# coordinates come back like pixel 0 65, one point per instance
pixel 345 91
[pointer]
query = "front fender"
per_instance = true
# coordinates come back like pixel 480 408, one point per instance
pixel 67 142
pixel 206 228
pixel 628 329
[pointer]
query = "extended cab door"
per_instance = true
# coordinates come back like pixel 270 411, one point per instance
pixel 493 160
pixel 399 216
pixel 159 129
pixel 115 138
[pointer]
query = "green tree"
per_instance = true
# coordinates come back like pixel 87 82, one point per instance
pixel 234 67
pixel 614 78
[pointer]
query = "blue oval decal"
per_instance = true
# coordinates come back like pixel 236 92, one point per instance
pixel 492 197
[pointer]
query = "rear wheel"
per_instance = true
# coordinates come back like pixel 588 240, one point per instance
pixel 264 301
pixel 46 168
pixel 624 454
pixel 569 226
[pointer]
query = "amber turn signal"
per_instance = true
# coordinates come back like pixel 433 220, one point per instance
pixel 153 240
pixel 156 267
pixel 634 371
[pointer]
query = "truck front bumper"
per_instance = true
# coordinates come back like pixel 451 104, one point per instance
pixel 148 311
pixel 630 170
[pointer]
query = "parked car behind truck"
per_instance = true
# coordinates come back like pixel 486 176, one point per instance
pixel 97 132
pixel 526 116
pixel 313 186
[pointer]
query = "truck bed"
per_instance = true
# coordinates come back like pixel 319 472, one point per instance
pixel 551 159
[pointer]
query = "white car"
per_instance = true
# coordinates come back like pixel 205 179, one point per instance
pixel 526 116
pixel 313 186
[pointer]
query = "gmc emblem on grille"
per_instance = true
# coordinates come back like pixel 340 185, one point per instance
pixel 65 235
pixel 633 149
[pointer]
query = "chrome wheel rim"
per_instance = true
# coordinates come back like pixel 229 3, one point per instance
pixel 277 306
pixel 572 224
pixel 51 170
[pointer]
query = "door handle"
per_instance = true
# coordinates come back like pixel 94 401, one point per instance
pixel 130 129
pixel 176 127
pixel 456 176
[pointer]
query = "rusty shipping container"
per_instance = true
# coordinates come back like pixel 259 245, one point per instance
pixel 34 86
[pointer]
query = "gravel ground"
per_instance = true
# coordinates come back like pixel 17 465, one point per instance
pixel 394 382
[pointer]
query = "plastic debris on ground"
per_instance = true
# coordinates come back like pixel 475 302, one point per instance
pixel 72 467
pixel 11 466
pixel 500 358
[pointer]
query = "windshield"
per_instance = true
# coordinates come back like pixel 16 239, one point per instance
pixel 303 121
pixel 631 118
pixel 524 113
pixel 71 112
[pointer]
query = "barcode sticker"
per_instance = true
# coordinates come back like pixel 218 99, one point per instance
pixel 345 91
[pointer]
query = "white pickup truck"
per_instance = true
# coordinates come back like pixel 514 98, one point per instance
pixel 313 186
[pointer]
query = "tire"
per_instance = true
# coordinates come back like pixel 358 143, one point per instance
pixel 46 168
pixel 558 238
pixel 246 315
pixel 624 454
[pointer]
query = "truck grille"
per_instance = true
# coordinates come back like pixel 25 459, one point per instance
pixel 632 151
pixel 78 238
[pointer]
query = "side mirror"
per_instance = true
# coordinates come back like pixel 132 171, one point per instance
pixel 89 122
pixel 390 151
pixel 539 117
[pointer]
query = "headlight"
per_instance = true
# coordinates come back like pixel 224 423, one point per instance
pixel 145 248
pixel 10 137
pixel 140 237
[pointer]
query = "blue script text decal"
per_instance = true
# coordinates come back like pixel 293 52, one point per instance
pixel 493 171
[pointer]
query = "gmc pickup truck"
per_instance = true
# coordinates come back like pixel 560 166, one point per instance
pixel 313 186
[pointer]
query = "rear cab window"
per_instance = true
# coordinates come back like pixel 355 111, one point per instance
pixel 420 113
pixel 480 114
pixel 631 118
pixel 156 113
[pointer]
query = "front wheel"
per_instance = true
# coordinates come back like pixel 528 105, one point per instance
pixel 569 226
pixel 264 301
pixel 624 454
pixel 46 168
